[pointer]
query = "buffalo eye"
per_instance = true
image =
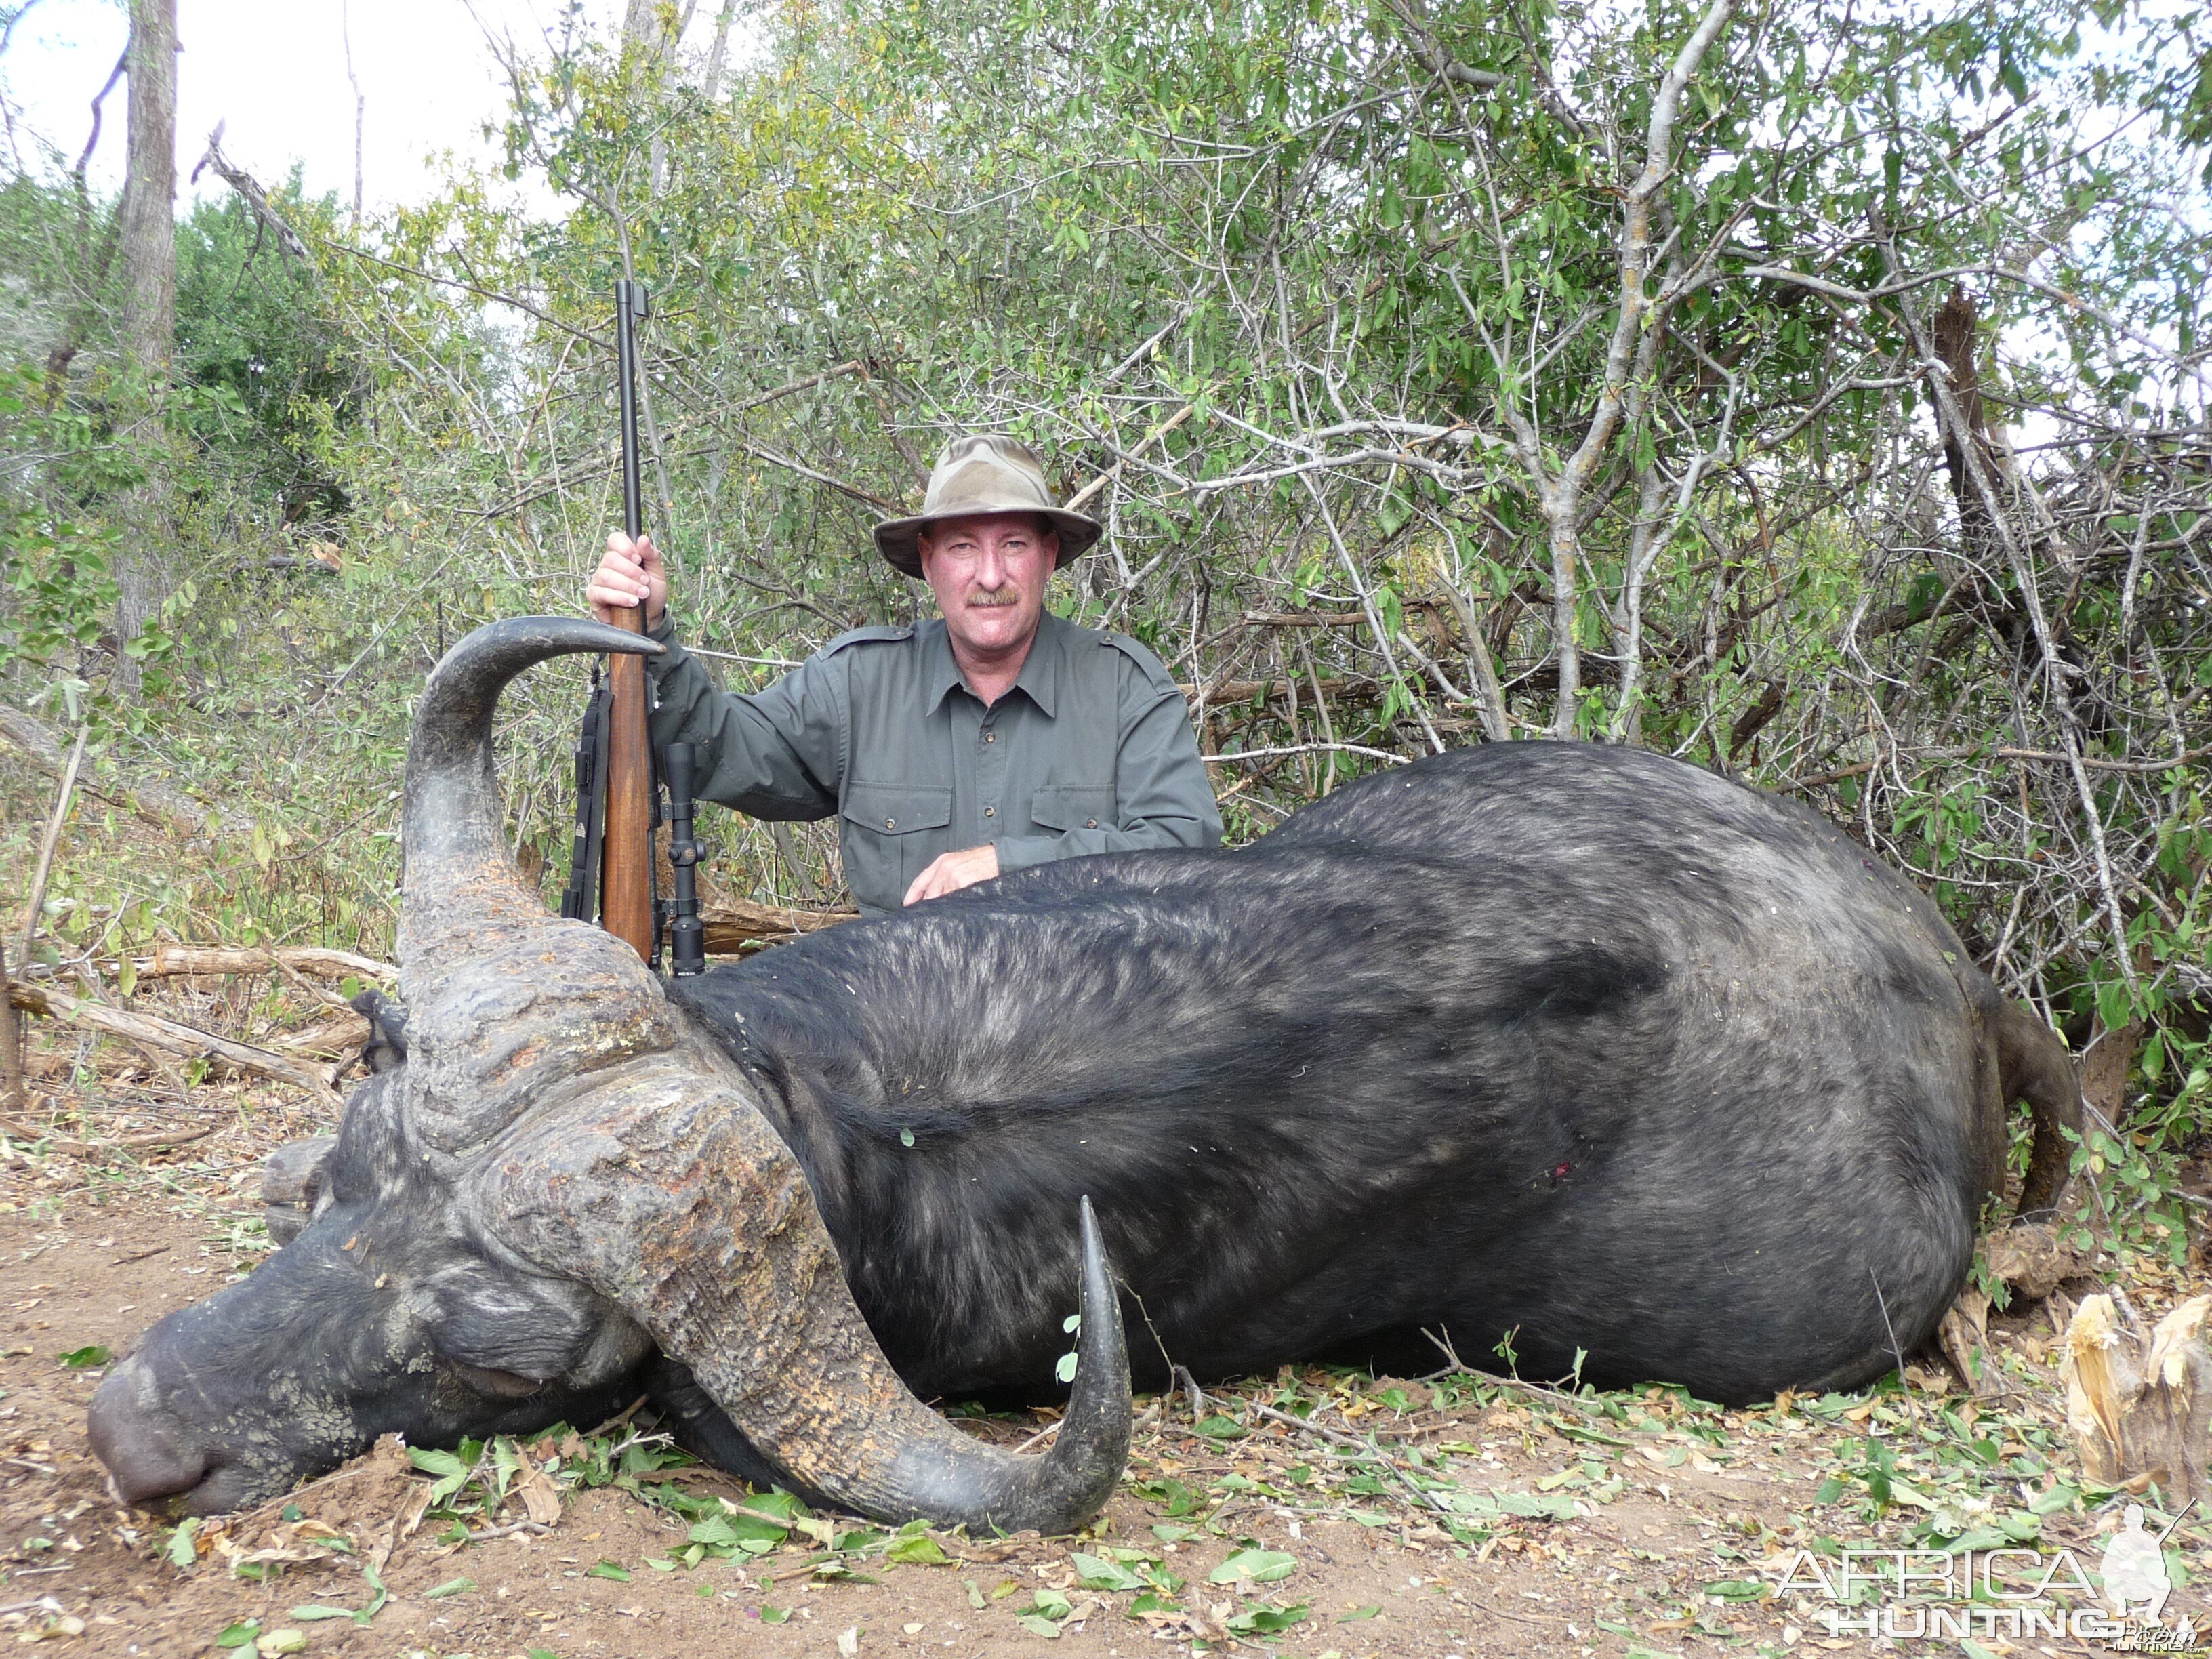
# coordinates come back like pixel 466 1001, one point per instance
pixel 500 1385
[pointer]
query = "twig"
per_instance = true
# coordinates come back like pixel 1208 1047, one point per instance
pixel 1182 1379
pixel 1501 1613
pixel 619 1417
pixel 138 1255
pixel 1456 1366
pixel 1897 1352
pixel 1305 748
pixel 31 912
pixel 505 1531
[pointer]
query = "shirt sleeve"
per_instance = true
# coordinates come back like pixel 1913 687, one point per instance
pixel 779 753
pixel 1161 796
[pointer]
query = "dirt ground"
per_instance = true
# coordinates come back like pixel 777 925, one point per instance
pixel 1458 1515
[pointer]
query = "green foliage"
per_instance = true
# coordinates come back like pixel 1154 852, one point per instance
pixel 1332 332
pixel 279 380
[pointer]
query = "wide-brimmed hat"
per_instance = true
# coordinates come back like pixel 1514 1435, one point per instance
pixel 984 473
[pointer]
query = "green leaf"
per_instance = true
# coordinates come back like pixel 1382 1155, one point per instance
pixel 917 1550
pixel 311 1613
pixel 379 1595
pixel 1099 1574
pixel 238 1635
pixel 459 1586
pixel 1217 1427
pixel 1267 1620
pixel 1052 1603
pixel 184 1549
pixel 774 1615
pixel 1037 1624
pixel 79 1359
pixel 741 1529
pixel 452 1471
pixel 1738 1590
pixel 1547 1506
pixel 1370 1611
pixel 608 1570
pixel 1261 1566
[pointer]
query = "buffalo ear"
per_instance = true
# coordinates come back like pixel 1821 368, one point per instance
pixel 291 1182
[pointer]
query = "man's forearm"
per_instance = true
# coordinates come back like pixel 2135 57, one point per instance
pixel 744 759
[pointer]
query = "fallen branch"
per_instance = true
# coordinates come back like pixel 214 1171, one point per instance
pixel 257 199
pixel 731 924
pixel 155 1032
pixel 233 959
pixel 24 1132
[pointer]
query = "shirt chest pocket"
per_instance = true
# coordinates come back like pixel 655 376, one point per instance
pixel 1060 806
pixel 889 833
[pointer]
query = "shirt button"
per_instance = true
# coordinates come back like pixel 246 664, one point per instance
pixel 1090 823
pixel 990 811
pixel 891 823
pixel 990 736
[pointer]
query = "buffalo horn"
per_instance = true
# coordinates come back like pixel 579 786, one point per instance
pixel 668 1193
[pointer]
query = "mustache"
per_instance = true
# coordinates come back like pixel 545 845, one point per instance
pixel 993 598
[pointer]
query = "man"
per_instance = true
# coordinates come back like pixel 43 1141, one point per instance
pixel 997 737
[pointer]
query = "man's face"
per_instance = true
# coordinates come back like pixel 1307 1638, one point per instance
pixel 988 572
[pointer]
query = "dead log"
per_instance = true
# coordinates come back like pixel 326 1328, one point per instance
pixel 733 923
pixel 156 1032
pixel 2141 1409
pixel 309 959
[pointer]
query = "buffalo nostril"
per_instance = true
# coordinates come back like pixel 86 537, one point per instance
pixel 148 1450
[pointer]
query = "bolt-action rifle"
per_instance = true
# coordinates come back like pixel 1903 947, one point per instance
pixel 618 796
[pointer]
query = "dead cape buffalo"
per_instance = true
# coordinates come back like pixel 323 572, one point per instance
pixel 1580 1043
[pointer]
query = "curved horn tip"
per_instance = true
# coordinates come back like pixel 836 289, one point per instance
pixel 1093 1446
pixel 453 721
pixel 513 643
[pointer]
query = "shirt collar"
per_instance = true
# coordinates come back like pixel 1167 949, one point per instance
pixel 1041 669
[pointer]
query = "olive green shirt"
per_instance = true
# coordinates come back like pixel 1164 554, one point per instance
pixel 1090 752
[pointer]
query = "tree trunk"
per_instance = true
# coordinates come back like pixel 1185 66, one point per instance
pixel 718 56
pixel 148 240
pixel 650 47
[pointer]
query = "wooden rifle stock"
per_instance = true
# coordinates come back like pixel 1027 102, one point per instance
pixel 626 882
